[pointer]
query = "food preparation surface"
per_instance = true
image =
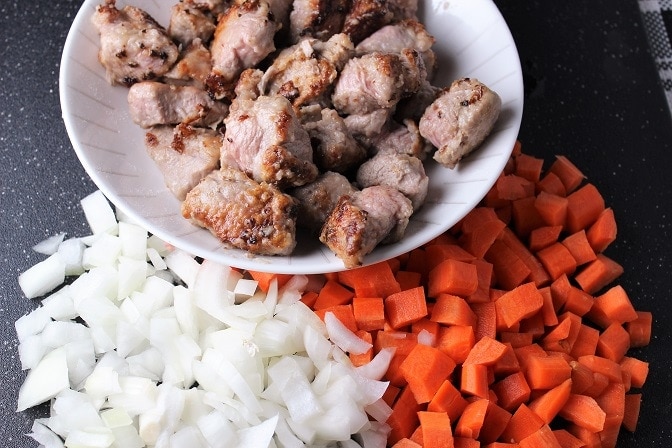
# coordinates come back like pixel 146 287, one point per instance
pixel 592 93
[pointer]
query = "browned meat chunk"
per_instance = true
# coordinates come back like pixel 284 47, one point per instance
pixel 304 72
pixel 396 37
pixel 459 119
pixel 243 213
pixel 364 127
pixel 133 46
pixel 265 139
pixel 193 67
pixel 335 149
pixel 317 199
pixel 377 81
pixel 317 18
pixel 403 9
pixel 243 38
pixel 365 17
pixel 184 154
pixel 401 171
pixel 152 103
pixel 414 106
pixel 398 138
pixel 248 86
pixel 361 221
pixel 189 22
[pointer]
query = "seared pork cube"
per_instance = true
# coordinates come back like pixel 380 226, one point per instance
pixel 460 119
pixel 401 171
pixel 189 22
pixel 361 221
pixel 243 38
pixel 317 18
pixel 248 86
pixel 403 9
pixel 366 16
pixel 400 139
pixel 133 46
pixel 377 81
pixel 304 72
pixel 335 149
pixel 184 154
pixel 396 37
pixel 415 105
pixel 317 199
pixel 242 213
pixel 265 139
pixel 153 103
pixel 365 127
pixel 193 67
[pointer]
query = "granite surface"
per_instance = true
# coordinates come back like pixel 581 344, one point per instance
pixel 592 92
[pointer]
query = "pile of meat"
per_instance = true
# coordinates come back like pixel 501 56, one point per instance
pixel 268 116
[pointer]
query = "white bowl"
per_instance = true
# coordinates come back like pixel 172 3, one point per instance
pixel 472 40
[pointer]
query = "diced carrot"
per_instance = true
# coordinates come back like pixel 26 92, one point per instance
pixel 519 303
pixel 438 253
pixel 475 217
pixel 526 216
pixel 402 342
pixel 568 173
pixel 560 291
pixel 501 445
pixel 363 358
pixel 408 279
pixel 607 367
pixel 465 442
pixel 452 277
pixel 486 315
pixel 510 271
pixel 264 279
pixel 612 402
pixel 512 391
pixel 552 208
pixel 614 305
pixel 551 183
pixel 600 383
pixel 448 399
pixel 332 294
pixel 548 405
pixel 390 395
pixel 474 380
pixel 427 325
pixel 578 302
pixel 566 439
pixel 486 351
pixel 405 307
pixel 484 272
pixel 406 443
pixel 309 298
pixel 633 404
pixel 548 315
pixel 544 236
pixel 586 341
pixel 436 429
pixel 598 273
pixel 582 377
pixel 472 419
pixel 342 313
pixel 640 329
pixel 546 372
pixel 417 262
pixel 425 369
pixel 496 419
pixel 417 435
pixel 453 310
pixel 542 437
pixel 584 206
pixel 480 238
pixel 557 260
pixel 456 341
pixel 533 324
pixel 516 339
pixel 613 343
pixel 603 231
pixel 512 187
pixel 583 411
pixel 526 352
pixel 369 313
pixel 529 167
pixel 523 423
pixel 375 280
pixel 537 272
pixel 404 418
pixel 580 248
pixel 589 438
pixel 638 370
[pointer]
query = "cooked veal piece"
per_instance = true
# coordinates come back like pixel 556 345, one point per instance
pixel 366 16
pixel 245 214
pixel 399 138
pixel 188 21
pixel 133 46
pixel 303 73
pixel 152 103
pixel 377 81
pixel 401 171
pixel 243 38
pixel 335 149
pixel 184 154
pixel 193 67
pixel 362 220
pixel 460 119
pixel 317 199
pixel 317 18
pixel 265 139
pixel 365 127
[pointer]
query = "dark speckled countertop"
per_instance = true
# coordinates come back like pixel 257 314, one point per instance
pixel 592 93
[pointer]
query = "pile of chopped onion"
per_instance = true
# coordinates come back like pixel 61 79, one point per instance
pixel 147 346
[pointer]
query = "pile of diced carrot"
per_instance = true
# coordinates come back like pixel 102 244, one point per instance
pixel 509 329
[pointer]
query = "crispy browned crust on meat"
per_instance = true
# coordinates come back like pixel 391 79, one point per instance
pixel 344 232
pixel 365 17
pixel 277 161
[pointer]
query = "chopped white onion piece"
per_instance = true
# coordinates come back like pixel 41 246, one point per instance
pixel 42 277
pixel 45 381
pixel 99 213
pixel 343 337
pixel 50 245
